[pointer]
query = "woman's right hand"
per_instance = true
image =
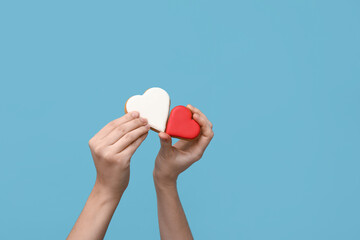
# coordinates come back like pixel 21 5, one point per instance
pixel 112 148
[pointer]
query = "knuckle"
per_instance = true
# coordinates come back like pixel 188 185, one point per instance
pixel 197 111
pixel 139 122
pixel 125 163
pixel 98 150
pixel 91 143
pixel 108 156
pixel 121 130
pixel 207 136
pixel 143 130
pixel 121 155
pixel 127 137
pixel 127 115
pixel 112 123
pixel 198 156
pixel 211 134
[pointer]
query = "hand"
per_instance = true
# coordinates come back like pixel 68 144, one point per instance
pixel 174 159
pixel 112 148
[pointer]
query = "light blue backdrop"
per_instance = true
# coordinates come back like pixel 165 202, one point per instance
pixel 280 80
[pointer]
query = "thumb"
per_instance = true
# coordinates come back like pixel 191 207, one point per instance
pixel 165 140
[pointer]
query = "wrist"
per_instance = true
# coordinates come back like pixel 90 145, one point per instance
pixel 164 182
pixel 105 194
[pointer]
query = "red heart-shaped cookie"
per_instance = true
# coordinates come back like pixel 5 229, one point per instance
pixel 181 124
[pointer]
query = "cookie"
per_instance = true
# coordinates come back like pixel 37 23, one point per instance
pixel 181 124
pixel 154 105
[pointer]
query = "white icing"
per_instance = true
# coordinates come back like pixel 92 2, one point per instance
pixel 154 105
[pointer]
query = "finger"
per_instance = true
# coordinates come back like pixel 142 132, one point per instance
pixel 196 110
pixel 165 140
pixel 115 123
pixel 204 139
pixel 123 129
pixel 130 150
pixel 181 144
pixel 129 138
pixel 204 125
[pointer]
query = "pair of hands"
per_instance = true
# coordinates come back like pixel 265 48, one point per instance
pixel 113 146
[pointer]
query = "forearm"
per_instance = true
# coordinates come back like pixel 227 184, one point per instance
pixel 96 215
pixel 172 219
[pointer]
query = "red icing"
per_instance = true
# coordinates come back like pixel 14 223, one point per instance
pixel 181 124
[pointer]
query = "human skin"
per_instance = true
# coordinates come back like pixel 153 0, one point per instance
pixel 111 148
pixel 170 162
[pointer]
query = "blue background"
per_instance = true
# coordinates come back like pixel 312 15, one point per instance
pixel 280 80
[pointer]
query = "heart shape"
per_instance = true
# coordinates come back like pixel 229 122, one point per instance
pixel 154 105
pixel 181 124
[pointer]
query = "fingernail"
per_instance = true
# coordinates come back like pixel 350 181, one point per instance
pixel 135 114
pixel 144 120
pixel 147 127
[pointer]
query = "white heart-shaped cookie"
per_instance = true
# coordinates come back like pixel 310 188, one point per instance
pixel 154 105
